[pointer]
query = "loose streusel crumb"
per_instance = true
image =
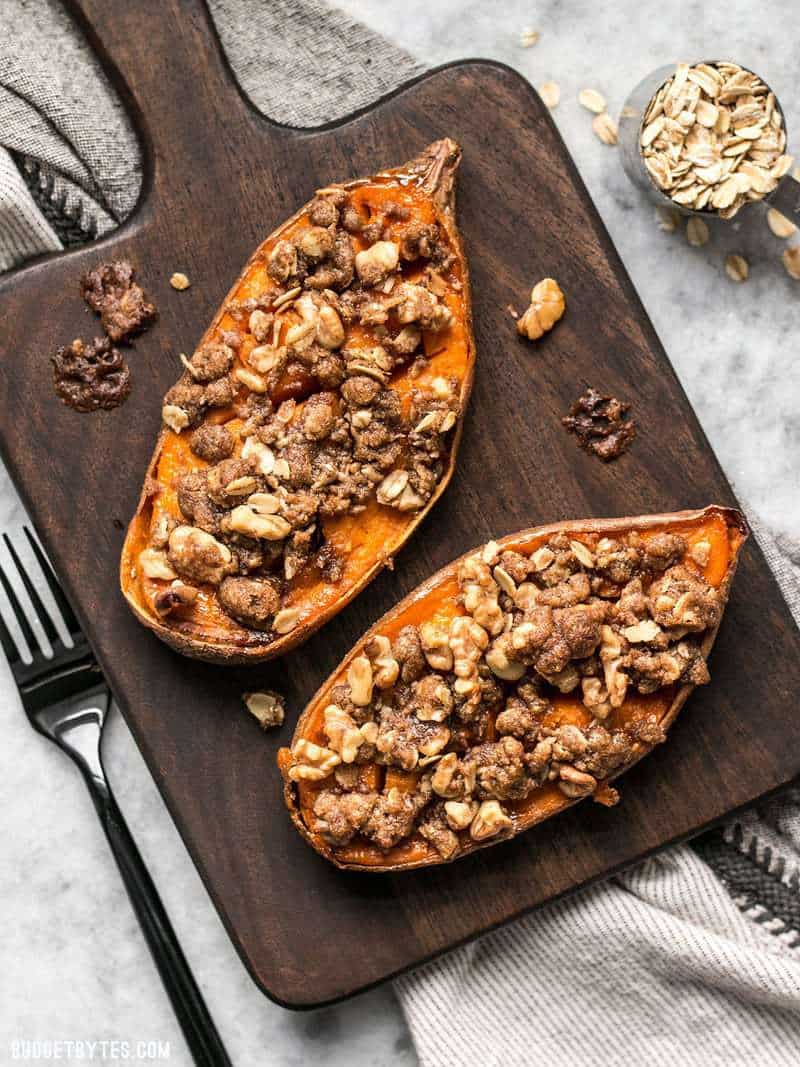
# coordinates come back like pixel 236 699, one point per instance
pixel 90 377
pixel 179 281
pixel 121 303
pixel 601 425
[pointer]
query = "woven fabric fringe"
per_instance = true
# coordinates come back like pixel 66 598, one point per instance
pixel 62 122
pixel 695 950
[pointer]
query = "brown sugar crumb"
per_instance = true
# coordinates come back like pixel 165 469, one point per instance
pixel 91 377
pixel 120 302
pixel 601 425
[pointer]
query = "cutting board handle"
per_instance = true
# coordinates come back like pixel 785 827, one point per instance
pixel 165 60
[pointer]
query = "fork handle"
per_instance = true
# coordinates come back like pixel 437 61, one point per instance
pixel 187 1001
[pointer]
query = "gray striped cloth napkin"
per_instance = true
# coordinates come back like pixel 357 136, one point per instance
pixel 690 957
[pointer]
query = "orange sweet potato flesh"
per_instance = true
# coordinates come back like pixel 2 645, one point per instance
pixel 364 542
pixel 436 599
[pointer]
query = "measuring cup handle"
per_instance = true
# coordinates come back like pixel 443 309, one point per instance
pixel 786 199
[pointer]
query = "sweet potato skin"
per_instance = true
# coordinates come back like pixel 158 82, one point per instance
pixel 238 646
pixel 738 533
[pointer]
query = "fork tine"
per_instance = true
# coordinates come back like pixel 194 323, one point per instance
pixel 9 644
pixel 41 611
pixel 67 614
pixel 22 619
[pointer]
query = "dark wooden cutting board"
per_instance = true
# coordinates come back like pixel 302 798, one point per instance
pixel 218 178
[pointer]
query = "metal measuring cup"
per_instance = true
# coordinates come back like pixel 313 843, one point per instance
pixel 785 197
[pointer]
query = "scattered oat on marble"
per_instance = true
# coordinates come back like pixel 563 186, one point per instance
pixel 667 218
pixel 712 138
pixel 779 224
pixel 783 166
pixel 605 128
pixel 550 93
pixel 179 281
pixel 697 233
pixel 736 267
pixel 529 37
pixel 592 100
pixel 791 261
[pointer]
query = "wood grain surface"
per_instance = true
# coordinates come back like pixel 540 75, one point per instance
pixel 218 178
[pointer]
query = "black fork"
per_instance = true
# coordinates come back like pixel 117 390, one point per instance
pixel 66 698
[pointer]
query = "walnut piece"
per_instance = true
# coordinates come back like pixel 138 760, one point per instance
pixel 175 417
pixel 546 308
pixel 312 762
pixel 490 820
pixel 344 737
pixel 375 263
pixel 360 679
pixel 435 643
pixel 574 783
pixel 266 707
pixel 252 521
pixel 197 555
pixel 385 668
pixel 153 563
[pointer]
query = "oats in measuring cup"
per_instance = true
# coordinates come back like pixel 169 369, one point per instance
pixel 713 138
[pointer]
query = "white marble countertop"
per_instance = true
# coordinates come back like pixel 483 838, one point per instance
pixel 74 963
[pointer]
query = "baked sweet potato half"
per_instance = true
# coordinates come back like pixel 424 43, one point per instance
pixel 316 424
pixel 514 682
